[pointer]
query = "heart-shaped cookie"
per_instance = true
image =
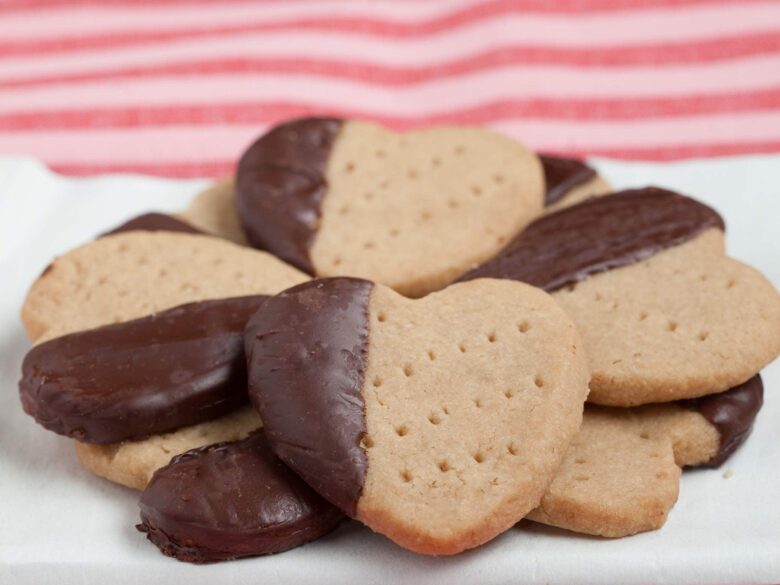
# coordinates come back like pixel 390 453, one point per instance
pixel 621 473
pixel 130 275
pixel 664 313
pixel 133 274
pixel 412 211
pixel 438 422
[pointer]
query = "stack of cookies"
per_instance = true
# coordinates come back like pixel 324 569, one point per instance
pixel 436 333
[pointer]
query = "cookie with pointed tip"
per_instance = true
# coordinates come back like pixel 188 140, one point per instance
pixel 437 422
pixel 663 312
pixel 349 198
pixel 132 274
pixel 621 473
pixel 231 500
pixel 569 181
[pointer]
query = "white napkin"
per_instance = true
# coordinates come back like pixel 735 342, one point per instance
pixel 59 524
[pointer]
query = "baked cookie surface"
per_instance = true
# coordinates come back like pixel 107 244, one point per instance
pixel 350 198
pixel 663 312
pixel 132 274
pixel 132 463
pixel 621 473
pixel 214 211
pixel 437 422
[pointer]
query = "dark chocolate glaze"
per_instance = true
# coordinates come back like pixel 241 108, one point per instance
pixel 231 500
pixel 280 185
pixel 307 350
pixel 732 413
pixel 155 222
pixel 561 175
pixel 142 377
pixel 599 234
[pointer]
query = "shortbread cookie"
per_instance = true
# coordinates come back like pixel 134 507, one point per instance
pixel 133 274
pixel 437 422
pixel 214 212
pixel 613 481
pixel 569 181
pixel 132 463
pixel 231 500
pixel 142 377
pixel 155 222
pixel 664 314
pixel 620 475
pixel 706 431
pixel 412 211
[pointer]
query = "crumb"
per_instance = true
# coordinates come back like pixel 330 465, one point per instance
pixel 728 473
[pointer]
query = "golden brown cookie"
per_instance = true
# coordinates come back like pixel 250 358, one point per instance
pixel 438 422
pixel 663 312
pixel 567 181
pixel 613 481
pixel 132 274
pixel 412 210
pixel 214 212
pixel 132 463
pixel 128 275
pixel 620 475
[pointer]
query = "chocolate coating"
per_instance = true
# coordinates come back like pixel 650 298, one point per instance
pixel 732 413
pixel 307 350
pixel 561 175
pixel 599 234
pixel 280 185
pixel 231 500
pixel 142 377
pixel 155 222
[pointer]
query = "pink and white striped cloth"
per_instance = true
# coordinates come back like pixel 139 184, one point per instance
pixel 179 87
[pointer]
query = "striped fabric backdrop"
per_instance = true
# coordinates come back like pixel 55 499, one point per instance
pixel 179 87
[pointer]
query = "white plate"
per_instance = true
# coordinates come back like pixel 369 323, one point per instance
pixel 59 524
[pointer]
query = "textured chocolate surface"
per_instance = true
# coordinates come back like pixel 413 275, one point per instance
pixel 307 350
pixel 732 413
pixel 155 222
pixel 142 377
pixel 561 175
pixel 597 235
pixel 280 185
pixel 231 500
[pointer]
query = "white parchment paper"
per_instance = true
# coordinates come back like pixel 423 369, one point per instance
pixel 59 524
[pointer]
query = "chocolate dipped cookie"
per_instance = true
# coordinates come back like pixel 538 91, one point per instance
pixel 621 473
pixel 569 181
pixel 663 312
pixel 349 198
pixel 438 422
pixel 231 500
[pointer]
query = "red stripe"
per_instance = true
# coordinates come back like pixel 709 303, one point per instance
pixel 267 113
pixel 694 52
pixel 538 6
pixel 223 168
pixel 343 24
